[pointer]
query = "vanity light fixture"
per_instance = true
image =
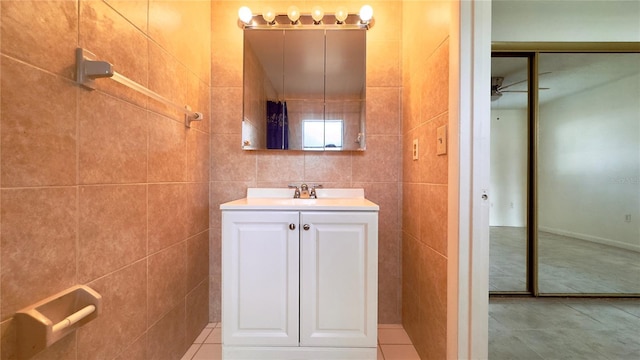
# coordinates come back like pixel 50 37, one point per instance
pixel 317 13
pixel 341 14
pixel 366 14
pixel 294 14
pixel 317 18
pixel 269 15
pixel 245 15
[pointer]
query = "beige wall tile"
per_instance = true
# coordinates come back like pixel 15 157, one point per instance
pixel 226 64
pixel 38 125
pixel 432 167
pixel 383 111
pixel 280 166
pixel 435 84
pixel 166 338
pixel 198 163
pixel 134 11
pixel 74 137
pixel 167 215
pixel 64 349
pixel 112 228
pixel 124 313
pixel 229 162
pixel 410 304
pixel 425 58
pixel 167 272
pixel 215 274
pixel 197 261
pixel 167 149
pixel 226 110
pixel 38 245
pixel 136 351
pixel 45 43
pixel 388 19
pixel 112 38
pixel 387 196
pixel 221 192
pixel 380 162
pixel 199 98
pixel 215 299
pixel 112 140
pixel 183 29
pixel 327 167
pixel 197 313
pixel 169 78
pixel 383 63
pixel 433 218
pixel 197 211
pixel 433 305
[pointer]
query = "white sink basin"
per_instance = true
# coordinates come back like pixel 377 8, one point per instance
pixel 282 199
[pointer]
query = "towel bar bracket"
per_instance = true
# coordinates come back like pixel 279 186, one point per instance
pixel 88 69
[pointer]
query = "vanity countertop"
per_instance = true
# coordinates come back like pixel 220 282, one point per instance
pixel 282 199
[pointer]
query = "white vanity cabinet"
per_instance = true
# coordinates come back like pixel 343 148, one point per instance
pixel 260 278
pixel 300 281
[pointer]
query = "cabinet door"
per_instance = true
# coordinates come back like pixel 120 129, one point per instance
pixel 339 279
pixel 260 280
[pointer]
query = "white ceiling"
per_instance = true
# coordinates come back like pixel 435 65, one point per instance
pixel 568 73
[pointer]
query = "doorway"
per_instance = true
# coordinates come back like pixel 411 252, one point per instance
pixel 565 174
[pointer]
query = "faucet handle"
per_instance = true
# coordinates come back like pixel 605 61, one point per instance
pixel 296 194
pixel 313 194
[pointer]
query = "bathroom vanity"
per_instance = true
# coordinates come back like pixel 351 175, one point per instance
pixel 300 276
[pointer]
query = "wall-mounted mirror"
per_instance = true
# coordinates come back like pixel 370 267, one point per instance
pixel 304 89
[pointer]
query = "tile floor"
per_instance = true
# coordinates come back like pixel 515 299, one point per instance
pixel 564 328
pixel 393 344
pixel 566 265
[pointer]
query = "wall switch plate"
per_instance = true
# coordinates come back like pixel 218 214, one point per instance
pixel 627 218
pixel 441 138
pixel 415 149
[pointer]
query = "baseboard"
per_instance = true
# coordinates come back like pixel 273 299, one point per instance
pixel 590 238
pixel 297 353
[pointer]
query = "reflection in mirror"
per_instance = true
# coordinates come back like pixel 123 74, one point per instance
pixel 304 89
pixel 263 82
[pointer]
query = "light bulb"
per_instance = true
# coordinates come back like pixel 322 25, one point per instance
pixel 293 13
pixel 245 15
pixel 317 14
pixel 268 14
pixel 341 14
pixel 366 13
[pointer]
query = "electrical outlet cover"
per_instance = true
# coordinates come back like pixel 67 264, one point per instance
pixel 441 139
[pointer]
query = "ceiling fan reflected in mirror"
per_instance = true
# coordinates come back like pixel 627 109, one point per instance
pixel 497 89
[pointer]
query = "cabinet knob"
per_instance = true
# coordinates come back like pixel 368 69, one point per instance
pixel 306 226
pixel 292 226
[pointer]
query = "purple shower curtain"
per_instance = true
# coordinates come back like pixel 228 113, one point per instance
pixel 277 125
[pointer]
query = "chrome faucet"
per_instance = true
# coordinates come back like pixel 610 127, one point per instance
pixel 296 193
pixel 313 194
pixel 304 191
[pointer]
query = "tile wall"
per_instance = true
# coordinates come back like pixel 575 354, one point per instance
pixel 377 170
pixel 425 80
pixel 107 187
